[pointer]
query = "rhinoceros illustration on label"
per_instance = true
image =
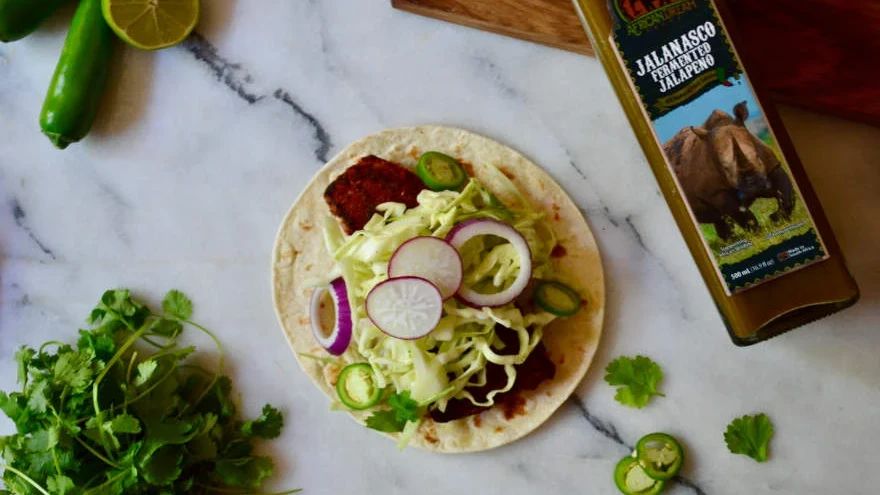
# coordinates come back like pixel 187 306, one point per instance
pixel 723 168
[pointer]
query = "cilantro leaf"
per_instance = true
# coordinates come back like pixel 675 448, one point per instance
pixel 74 369
pixel 403 410
pixel 124 423
pixel 385 421
pixel 38 401
pixel 118 308
pixel 636 379
pixel 166 328
pixel 101 344
pixel 23 357
pixel 267 426
pixel 14 406
pixel 750 435
pixel 405 407
pixel 171 430
pixel 177 305
pixel 244 473
pixel 145 371
pixel 219 400
pixel 60 484
pixel 40 462
pixel 162 465
pixel 201 448
pixel 43 440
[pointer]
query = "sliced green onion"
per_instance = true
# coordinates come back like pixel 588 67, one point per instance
pixel 631 479
pixel 557 298
pixel 440 172
pixel 356 386
pixel 660 455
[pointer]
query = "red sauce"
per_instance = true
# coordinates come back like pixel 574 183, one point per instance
pixel 431 435
pixel 514 406
pixel 558 251
pixel 536 369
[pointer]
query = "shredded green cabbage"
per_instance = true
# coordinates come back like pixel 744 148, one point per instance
pixel 444 364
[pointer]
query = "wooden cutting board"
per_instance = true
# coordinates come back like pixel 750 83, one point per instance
pixel 819 54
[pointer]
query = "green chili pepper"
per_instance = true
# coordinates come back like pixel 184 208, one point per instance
pixel 660 455
pixel 558 298
pixel 631 479
pixel 440 172
pixel 356 386
pixel 80 77
pixel 19 18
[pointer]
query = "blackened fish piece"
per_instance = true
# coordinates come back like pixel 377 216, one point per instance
pixel 354 195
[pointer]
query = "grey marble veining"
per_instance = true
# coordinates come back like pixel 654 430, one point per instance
pixel 200 149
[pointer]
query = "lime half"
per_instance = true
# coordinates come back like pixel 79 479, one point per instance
pixel 151 24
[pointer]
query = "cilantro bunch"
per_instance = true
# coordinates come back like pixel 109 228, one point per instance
pixel 122 411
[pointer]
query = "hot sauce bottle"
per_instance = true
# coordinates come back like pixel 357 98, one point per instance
pixel 724 163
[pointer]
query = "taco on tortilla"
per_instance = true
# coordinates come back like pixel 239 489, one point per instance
pixel 440 287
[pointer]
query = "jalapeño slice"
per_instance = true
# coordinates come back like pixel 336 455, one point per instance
pixel 660 455
pixel 631 479
pixel 440 172
pixel 356 386
pixel 557 298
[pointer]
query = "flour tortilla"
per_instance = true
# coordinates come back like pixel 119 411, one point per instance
pixel 300 255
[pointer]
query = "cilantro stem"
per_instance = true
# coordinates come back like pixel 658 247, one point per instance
pixel 99 416
pixel 47 344
pixel 140 395
pixel 220 361
pixel 195 367
pixel 63 397
pixel 240 492
pixel 102 485
pixel 148 390
pixel 26 478
pixel 96 453
pixel 160 346
pixel 55 461
pixel 130 366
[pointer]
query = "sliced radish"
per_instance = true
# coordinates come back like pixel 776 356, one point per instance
pixel 430 258
pixel 330 314
pixel 405 307
pixel 466 231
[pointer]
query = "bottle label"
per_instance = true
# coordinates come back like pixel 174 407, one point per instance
pixel 716 141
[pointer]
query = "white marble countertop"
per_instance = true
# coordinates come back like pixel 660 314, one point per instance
pixel 200 149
